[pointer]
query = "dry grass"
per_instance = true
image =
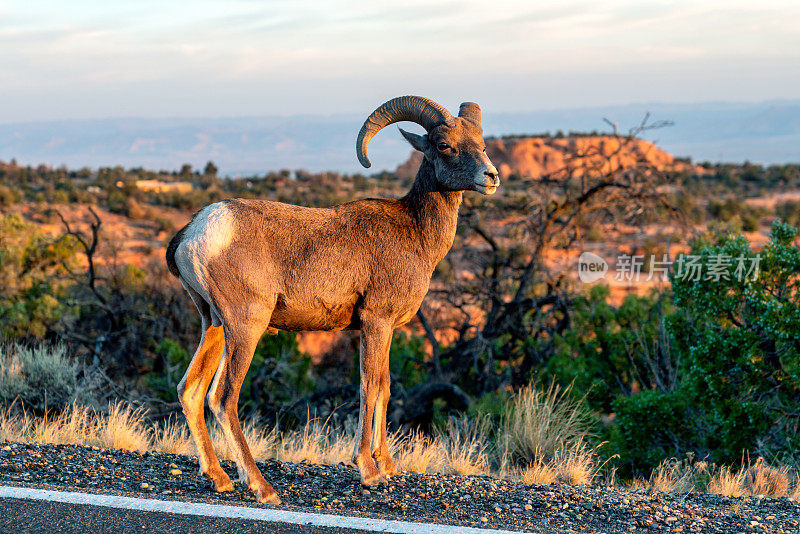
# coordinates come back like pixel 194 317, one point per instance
pixel 417 452
pixel 538 473
pixel 673 476
pixel 173 437
pixel 464 444
pixel 761 479
pixel 546 432
pixel 795 494
pixel 728 482
pixel 315 443
pixel 122 427
pixel 262 442
pixel 576 465
pixel 537 425
pixel 682 476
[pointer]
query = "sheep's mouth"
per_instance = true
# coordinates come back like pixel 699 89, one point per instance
pixel 486 187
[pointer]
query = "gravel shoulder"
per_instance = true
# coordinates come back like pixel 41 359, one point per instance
pixel 476 501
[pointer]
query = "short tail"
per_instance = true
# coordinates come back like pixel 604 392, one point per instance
pixel 172 247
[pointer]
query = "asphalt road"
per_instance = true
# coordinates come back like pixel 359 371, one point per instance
pixel 27 509
pixel 18 516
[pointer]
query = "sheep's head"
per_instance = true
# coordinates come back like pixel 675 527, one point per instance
pixel 454 145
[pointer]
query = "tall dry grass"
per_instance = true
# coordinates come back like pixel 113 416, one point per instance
pixel 543 438
pixel 465 446
pixel 121 427
pixel 539 424
pixel 750 479
pixel 546 437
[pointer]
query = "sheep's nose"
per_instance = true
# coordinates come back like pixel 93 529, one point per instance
pixel 492 174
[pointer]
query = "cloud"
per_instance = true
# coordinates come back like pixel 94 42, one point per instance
pixel 96 58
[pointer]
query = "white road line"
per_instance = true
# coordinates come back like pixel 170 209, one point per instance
pixel 241 512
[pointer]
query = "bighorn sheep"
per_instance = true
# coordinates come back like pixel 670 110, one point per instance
pixel 250 265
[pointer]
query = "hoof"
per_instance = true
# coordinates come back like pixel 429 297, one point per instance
pixel 221 486
pixel 265 493
pixel 368 471
pixel 271 498
pixel 390 472
pixel 387 467
pixel 222 482
pixel 373 480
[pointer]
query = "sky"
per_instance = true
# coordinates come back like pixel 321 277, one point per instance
pixel 100 59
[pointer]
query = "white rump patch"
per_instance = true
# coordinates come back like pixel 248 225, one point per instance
pixel 209 234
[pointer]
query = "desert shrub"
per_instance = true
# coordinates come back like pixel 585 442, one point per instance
pixel 9 195
pixel 649 427
pixel 490 406
pixel 176 360
pixel 280 373
pixel 613 350
pixel 739 353
pixel 163 224
pixel 31 268
pixel 39 377
pixel 407 359
pixel 789 212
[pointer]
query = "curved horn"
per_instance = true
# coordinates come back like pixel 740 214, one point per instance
pixel 423 111
pixel 470 111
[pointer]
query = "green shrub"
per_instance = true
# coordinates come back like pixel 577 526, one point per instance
pixel 31 265
pixel 39 377
pixel 9 195
pixel 649 427
pixel 407 359
pixel 739 351
pixel 612 350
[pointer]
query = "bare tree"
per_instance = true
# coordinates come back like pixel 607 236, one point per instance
pixel 515 304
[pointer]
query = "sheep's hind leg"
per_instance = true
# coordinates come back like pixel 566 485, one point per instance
pixel 240 343
pixel 375 339
pixel 192 392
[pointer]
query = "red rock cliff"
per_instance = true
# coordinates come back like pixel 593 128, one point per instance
pixel 532 157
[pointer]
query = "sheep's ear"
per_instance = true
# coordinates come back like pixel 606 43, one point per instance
pixel 419 142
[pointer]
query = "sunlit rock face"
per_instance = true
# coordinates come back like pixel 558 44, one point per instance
pixel 533 157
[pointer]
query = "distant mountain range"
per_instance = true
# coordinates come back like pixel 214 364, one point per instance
pixel 765 132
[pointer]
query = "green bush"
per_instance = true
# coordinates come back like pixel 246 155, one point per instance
pixel 38 377
pixel 9 195
pixel 407 359
pixel 739 351
pixel 31 268
pixel 612 350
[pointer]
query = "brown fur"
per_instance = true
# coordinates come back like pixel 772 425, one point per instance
pixel 361 265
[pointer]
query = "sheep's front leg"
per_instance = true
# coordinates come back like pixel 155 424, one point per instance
pixel 376 335
pixel 380 446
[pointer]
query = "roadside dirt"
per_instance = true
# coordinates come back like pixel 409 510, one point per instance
pixel 476 501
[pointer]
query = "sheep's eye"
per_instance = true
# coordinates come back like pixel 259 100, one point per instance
pixel 442 146
pixel 484 149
